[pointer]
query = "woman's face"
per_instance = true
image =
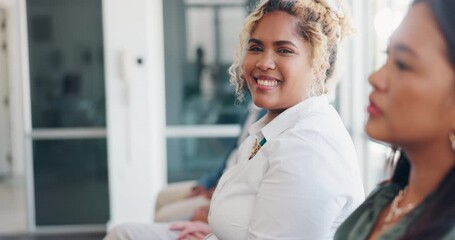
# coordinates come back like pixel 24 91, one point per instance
pixel 277 65
pixel 413 99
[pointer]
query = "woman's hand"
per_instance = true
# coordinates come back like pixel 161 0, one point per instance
pixel 201 214
pixel 191 230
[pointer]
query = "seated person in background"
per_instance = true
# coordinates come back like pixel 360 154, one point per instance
pixel 179 201
pixel 412 107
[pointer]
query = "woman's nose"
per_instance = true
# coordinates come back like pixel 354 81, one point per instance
pixel 378 79
pixel 265 62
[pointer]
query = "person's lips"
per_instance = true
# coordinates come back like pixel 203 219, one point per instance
pixel 266 82
pixel 373 109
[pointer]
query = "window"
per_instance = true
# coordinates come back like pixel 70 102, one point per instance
pixel 200 41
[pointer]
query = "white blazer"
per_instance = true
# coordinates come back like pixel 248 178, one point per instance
pixel 301 184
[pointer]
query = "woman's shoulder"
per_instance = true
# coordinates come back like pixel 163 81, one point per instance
pixel 385 189
pixel 357 225
pixel 324 121
pixel 315 140
pixel 322 133
pixel 380 196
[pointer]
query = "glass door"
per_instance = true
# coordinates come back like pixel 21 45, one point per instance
pixel 68 112
pixel 202 116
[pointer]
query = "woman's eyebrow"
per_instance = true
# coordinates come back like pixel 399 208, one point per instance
pixel 254 40
pixel 400 47
pixel 284 42
pixel 276 43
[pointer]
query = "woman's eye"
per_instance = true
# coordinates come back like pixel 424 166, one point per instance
pixel 254 49
pixel 284 50
pixel 401 66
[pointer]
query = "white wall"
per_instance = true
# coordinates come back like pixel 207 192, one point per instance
pixel 15 84
pixel 135 108
pixel 16 73
pixel 355 89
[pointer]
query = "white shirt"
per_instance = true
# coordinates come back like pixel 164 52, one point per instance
pixel 301 184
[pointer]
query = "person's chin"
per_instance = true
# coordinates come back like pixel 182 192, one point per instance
pixel 373 131
pixel 262 102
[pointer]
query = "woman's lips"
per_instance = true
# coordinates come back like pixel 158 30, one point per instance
pixel 265 77
pixel 374 110
pixel 266 82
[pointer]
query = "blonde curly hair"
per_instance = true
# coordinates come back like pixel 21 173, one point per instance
pixel 323 25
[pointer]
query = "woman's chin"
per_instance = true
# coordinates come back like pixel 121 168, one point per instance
pixel 261 102
pixel 371 130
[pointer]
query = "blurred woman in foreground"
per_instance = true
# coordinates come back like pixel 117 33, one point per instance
pixel 412 107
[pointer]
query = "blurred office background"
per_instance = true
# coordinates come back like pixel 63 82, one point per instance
pixel 102 103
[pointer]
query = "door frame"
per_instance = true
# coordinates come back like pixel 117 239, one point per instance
pixel 4 99
pixel 16 70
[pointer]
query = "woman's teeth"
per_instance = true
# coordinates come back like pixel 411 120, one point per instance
pixel 268 83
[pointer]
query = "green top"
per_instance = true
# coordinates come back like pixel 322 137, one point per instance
pixel 361 222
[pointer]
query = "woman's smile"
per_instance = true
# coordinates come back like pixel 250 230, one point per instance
pixel 266 82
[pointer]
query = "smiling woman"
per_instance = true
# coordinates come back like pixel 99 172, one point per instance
pixel 302 181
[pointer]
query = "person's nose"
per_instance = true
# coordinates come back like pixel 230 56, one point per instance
pixel 266 62
pixel 378 79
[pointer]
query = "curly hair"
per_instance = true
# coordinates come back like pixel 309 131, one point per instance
pixel 319 23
